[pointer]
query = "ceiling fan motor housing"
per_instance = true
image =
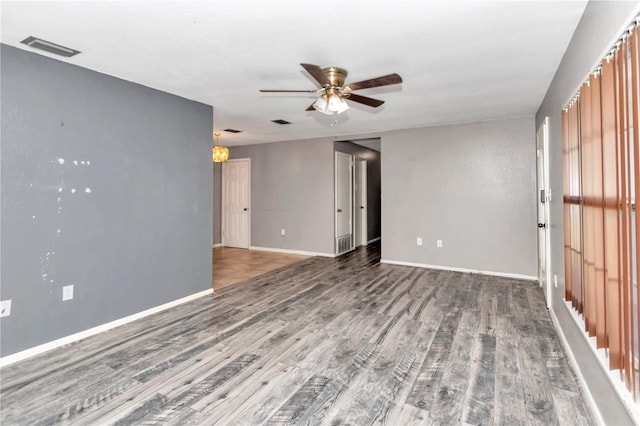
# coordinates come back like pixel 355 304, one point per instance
pixel 335 75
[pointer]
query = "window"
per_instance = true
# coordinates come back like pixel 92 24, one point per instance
pixel 601 184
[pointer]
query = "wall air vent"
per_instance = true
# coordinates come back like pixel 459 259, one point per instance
pixel 280 121
pixel 232 131
pixel 38 43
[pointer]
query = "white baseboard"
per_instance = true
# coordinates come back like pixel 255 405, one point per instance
pixel 217 245
pixel 465 270
pixel 373 240
pixel 37 350
pixel 301 252
pixel 576 368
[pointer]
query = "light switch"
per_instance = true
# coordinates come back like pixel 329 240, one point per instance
pixel 5 308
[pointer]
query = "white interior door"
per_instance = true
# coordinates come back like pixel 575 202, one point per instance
pixel 236 198
pixel 361 203
pixel 344 202
pixel 544 197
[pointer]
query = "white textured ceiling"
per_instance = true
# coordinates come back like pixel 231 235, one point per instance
pixel 460 61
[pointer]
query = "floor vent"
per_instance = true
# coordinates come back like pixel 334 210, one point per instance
pixel 47 46
pixel 343 243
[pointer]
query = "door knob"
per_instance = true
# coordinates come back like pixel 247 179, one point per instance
pixel 542 225
pixel 339 210
pixel 245 209
pixel 362 207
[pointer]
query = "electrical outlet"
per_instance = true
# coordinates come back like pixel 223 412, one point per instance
pixel 5 308
pixel 282 232
pixel 67 292
pixel 419 241
pixel 439 243
pixel 555 280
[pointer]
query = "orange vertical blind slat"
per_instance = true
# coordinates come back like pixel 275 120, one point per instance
pixel 623 177
pixel 566 184
pixel 587 177
pixel 599 290
pixel 611 214
pixel 634 74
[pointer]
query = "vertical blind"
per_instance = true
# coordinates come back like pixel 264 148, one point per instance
pixel 601 159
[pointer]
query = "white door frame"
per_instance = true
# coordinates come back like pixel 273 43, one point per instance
pixel 360 204
pixel 223 200
pixel 542 160
pixel 351 198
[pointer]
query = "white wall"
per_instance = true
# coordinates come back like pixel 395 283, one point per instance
pixel 599 27
pixel 472 186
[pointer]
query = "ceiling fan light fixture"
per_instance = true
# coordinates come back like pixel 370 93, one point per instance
pixel 321 105
pixel 330 104
pixel 337 104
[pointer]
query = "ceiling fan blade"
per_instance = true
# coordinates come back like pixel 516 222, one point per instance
pixel 317 73
pixel 363 100
pixel 310 108
pixel 288 91
pixel 385 80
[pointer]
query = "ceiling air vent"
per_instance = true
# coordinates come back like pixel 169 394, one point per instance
pixel 38 43
pixel 280 121
pixel 233 131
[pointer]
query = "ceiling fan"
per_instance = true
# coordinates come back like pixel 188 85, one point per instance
pixel 333 91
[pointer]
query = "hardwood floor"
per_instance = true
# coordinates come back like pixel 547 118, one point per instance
pixel 232 265
pixel 324 341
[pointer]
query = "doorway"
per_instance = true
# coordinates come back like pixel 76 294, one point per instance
pixel 344 241
pixel 236 200
pixel 544 197
pixel 361 231
pixel 365 155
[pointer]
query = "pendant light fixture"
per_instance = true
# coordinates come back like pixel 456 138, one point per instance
pixel 220 153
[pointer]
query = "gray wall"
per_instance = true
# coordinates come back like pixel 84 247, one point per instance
pixel 472 186
pixel 291 188
pixel 373 184
pixel 217 203
pixel 140 238
pixel 600 25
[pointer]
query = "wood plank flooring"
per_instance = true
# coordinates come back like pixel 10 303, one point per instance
pixel 323 341
pixel 233 265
